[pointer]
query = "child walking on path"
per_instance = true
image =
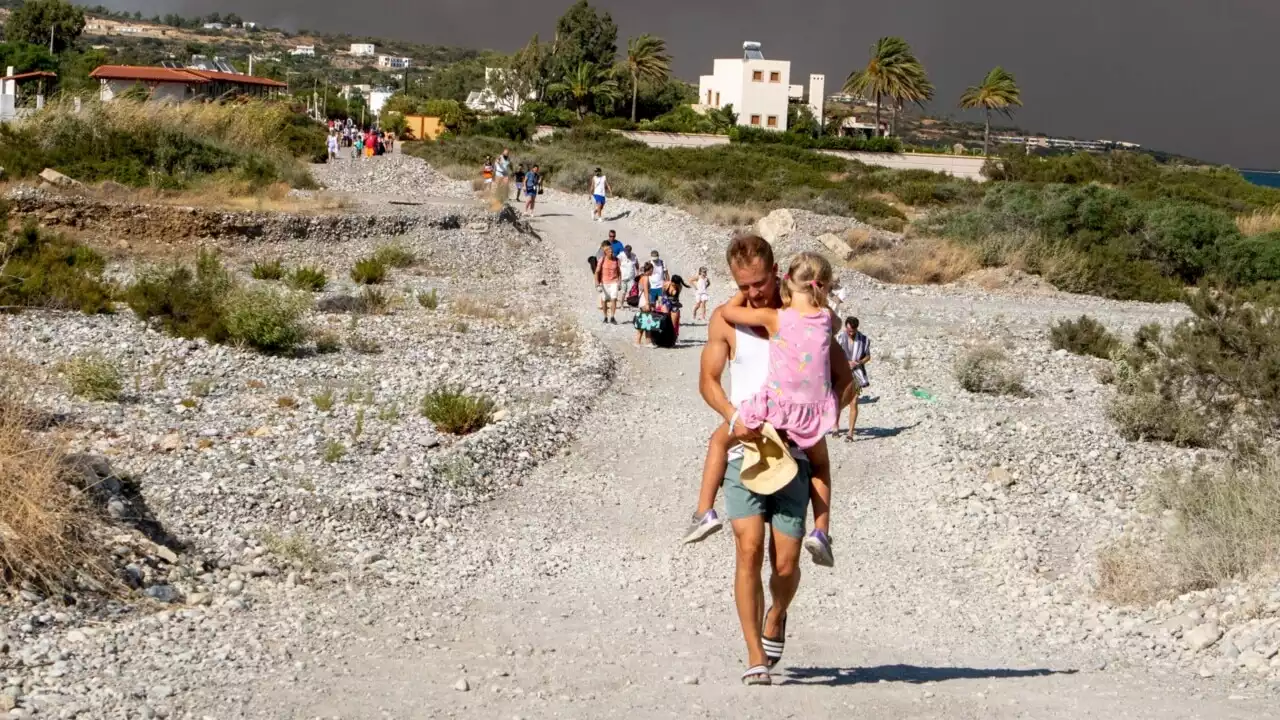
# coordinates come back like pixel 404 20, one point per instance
pixel 702 293
pixel 797 398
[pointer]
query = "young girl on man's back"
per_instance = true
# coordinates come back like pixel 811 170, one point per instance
pixel 797 398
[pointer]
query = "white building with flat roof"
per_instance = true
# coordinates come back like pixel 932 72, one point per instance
pixel 363 49
pixel 308 50
pixel 392 62
pixel 758 89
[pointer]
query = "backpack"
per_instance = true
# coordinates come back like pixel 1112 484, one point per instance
pixel 633 295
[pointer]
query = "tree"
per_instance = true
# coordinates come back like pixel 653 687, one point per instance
pixel 522 77
pixel 915 88
pixel 723 118
pixel 800 120
pixel 36 21
pixel 584 86
pixel 647 59
pixel 998 91
pixel 893 71
pixel 582 35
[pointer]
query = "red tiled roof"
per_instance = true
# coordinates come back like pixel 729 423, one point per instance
pixel 33 74
pixel 234 78
pixel 185 75
pixel 146 74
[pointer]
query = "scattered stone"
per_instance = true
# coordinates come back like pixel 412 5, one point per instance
pixel 1203 636
pixel 462 685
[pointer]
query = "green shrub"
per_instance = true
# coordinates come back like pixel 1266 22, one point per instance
pixel 93 377
pixel 323 400
pixel 987 370
pixel 455 412
pixel 429 299
pixel 1214 379
pixel 1085 336
pixel 41 269
pixel 395 255
pixel 374 301
pixel 334 451
pixel 308 278
pixel 1180 238
pixel 185 303
pixel 1249 260
pixel 145 144
pixel 369 271
pixel 268 270
pixel 326 342
pixel 266 320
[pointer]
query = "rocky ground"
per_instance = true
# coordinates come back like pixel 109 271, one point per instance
pixel 380 585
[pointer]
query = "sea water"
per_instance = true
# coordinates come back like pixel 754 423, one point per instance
pixel 1269 178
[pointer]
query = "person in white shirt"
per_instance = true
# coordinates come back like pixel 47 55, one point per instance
pixel 657 277
pixel 628 262
pixel 857 348
pixel 333 146
pixel 600 190
pixel 702 293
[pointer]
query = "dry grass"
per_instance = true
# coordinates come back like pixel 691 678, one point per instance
pixel 1259 221
pixel 1217 526
pixel 987 369
pixel 45 523
pixel 916 261
pixel 725 215
pixel 222 193
pixel 468 306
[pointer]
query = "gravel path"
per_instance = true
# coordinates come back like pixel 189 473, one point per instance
pixel 583 604
pixel 966 528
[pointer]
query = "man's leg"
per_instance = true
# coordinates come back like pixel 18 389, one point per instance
pixel 784 552
pixel 748 591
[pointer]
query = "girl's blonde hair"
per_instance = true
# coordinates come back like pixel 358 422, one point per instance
pixel 811 274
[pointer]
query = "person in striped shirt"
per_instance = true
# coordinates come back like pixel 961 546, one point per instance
pixel 857 348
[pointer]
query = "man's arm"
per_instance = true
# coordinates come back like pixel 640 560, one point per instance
pixel 715 355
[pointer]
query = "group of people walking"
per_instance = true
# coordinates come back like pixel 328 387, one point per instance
pixel 621 280
pixel 366 142
pixel 502 171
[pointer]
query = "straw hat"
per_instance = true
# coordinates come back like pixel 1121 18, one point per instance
pixel 767 465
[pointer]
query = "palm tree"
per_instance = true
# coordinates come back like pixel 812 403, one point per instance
pixel 892 71
pixel 914 87
pixel 647 58
pixel 586 83
pixel 998 91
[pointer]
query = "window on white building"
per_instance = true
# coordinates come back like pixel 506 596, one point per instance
pixel 755 120
pixel 757 76
pixel 717 99
pixel 775 77
pixel 772 121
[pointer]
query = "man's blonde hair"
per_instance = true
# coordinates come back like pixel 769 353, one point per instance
pixel 744 250
pixel 811 274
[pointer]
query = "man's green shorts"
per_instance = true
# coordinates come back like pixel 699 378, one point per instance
pixel 784 510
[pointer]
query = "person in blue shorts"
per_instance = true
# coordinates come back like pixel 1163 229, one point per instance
pixel 599 192
pixel 532 184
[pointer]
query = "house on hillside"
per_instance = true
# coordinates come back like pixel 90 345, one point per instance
pixel 308 50
pixel 363 50
pixel 758 89
pixel 391 62
pixel 214 26
pixel 493 98
pixel 167 84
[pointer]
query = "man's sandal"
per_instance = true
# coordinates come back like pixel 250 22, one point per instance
pixel 757 675
pixel 773 647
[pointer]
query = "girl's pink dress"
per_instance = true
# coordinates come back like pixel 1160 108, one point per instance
pixel 797 397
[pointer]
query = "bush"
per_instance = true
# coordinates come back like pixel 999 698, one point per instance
pixel 1085 336
pixel 374 301
pixel 40 269
pixel 163 145
pixel 269 270
pixel 326 342
pixel 429 299
pixel 761 136
pixel 396 256
pixel 308 278
pixel 1244 261
pixel 513 127
pixel 987 370
pixel 49 527
pixel 1217 525
pixel 93 377
pixel 369 271
pixel 266 320
pixel 1214 379
pixel 185 303
pixel 455 412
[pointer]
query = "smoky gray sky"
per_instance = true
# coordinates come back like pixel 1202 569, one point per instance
pixel 1177 75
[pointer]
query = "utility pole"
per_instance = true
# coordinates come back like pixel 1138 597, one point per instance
pixel 51 37
pixel 251 63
